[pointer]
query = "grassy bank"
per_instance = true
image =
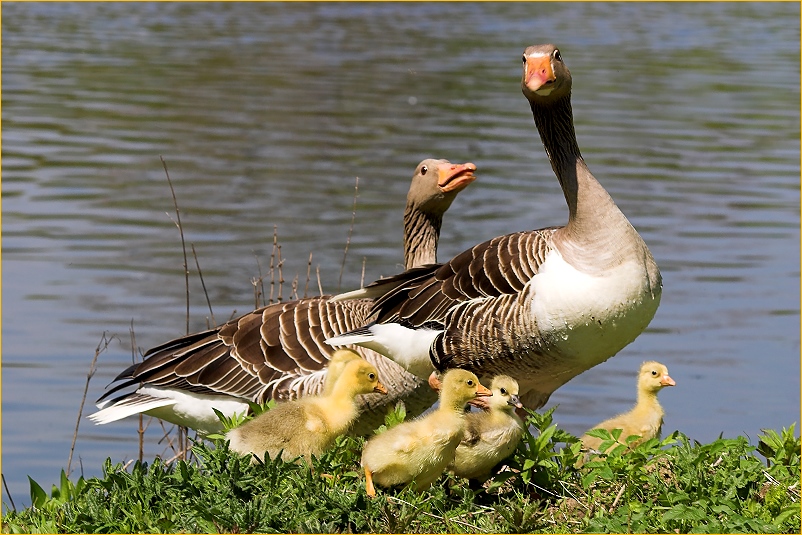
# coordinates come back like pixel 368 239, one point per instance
pixel 675 485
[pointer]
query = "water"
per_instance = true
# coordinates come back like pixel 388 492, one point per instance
pixel 267 113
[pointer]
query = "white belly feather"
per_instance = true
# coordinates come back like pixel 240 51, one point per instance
pixel 590 317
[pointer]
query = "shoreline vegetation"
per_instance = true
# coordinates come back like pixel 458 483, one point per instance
pixel 671 485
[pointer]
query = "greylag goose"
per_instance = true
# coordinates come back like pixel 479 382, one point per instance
pixel 278 351
pixel 541 306
pixel 309 425
pixel 646 417
pixel 420 450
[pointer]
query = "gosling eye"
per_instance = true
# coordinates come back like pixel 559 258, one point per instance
pixel 424 170
pixel 654 373
pixel 556 55
pixel 523 59
pixel 503 391
pixel 371 376
pixel 470 382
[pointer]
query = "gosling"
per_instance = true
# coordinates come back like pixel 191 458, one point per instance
pixel 490 436
pixel 420 450
pixel 646 417
pixel 310 425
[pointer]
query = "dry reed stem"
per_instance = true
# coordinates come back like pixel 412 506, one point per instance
pixel 140 428
pixel 104 342
pixel 258 284
pixel 5 486
pixel 181 231
pixel 308 272
pixel 203 284
pixel 350 232
pixel 273 262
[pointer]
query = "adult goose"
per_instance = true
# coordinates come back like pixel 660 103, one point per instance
pixel 541 306
pixel 278 351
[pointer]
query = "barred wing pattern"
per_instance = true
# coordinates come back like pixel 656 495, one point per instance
pixel 476 300
pixel 257 356
pixel 498 267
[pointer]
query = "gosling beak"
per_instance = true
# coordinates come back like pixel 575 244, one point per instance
pixel 666 380
pixel 482 391
pixel 538 73
pixel 455 177
pixel 379 388
pixel 434 382
pixel 515 402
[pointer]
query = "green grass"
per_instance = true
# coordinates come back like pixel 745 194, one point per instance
pixel 673 485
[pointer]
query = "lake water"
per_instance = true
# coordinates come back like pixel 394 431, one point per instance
pixel 267 113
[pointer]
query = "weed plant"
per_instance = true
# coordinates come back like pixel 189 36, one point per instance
pixel 673 485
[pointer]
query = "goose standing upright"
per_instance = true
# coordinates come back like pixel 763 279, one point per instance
pixel 278 351
pixel 540 306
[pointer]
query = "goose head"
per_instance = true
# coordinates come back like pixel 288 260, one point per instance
pixel 358 377
pixel 436 184
pixel 545 77
pixel 335 367
pixel 459 387
pixel 652 377
pixel 505 394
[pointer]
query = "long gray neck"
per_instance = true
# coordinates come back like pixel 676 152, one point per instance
pixel 421 234
pixel 595 224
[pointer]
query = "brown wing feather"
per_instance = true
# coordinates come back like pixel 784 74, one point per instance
pixel 256 356
pixel 497 267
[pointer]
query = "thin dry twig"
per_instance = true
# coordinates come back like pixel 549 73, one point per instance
pixel 181 231
pixel 319 283
pixel 258 284
pixel 203 284
pixel 308 273
pixel 5 485
pixel 141 428
pixel 350 232
pixel 272 262
pixel 280 274
pixel 101 347
pixel 362 278
pixel 618 496
pixel 475 529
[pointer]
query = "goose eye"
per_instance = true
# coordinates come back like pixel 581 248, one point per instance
pixel 556 55
pixel 371 376
pixel 470 382
pixel 654 373
pixel 503 391
pixel 424 170
pixel 523 59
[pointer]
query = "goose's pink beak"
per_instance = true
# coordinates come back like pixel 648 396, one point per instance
pixel 455 177
pixel 538 72
pixel 666 380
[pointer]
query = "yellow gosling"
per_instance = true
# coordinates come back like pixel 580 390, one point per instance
pixel 490 436
pixel 308 426
pixel 420 450
pixel 336 365
pixel 646 417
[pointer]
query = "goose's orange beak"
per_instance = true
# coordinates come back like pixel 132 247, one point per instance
pixel 379 388
pixel 666 380
pixel 482 391
pixel 538 72
pixel 455 177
